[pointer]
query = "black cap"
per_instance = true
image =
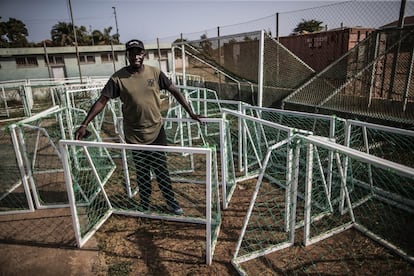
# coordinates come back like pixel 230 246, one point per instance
pixel 134 43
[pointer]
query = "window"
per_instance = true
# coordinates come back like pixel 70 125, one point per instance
pixel 164 53
pixel 26 61
pixel 107 57
pixel 86 59
pixel 55 60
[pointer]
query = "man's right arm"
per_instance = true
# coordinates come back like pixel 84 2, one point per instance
pixel 97 107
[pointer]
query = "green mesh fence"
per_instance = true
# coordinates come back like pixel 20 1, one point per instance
pixel 389 143
pixel 349 221
pixel 214 133
pixel 257 136
pixel 26 97
pixel 4 106
pixel 13 102
pixel 38 137
pixel 269 219
pixel 380 203
pixel 168 178
pixel 204 101
pixel 321 125
pixel 208 105
pixel 371 80
pixel 82 97
pixel 14 189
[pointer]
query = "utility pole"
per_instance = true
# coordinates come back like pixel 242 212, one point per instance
pixel 116 25
pixel 76 41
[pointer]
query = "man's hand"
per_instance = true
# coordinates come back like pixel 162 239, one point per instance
pixel 97 107
pixel 81 133
pixel 197 117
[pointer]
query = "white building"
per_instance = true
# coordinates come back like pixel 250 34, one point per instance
pixel 61 62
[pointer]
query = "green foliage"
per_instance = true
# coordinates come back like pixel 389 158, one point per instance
pixel 105 37
pixel 13 33
pixel 62 35
pixel 206 45
pixel 310 26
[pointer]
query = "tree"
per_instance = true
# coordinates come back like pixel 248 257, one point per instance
pixel 82 36
pixel 107 38
pixel 178 40
pixel 206 45
pixel 3 33
pixel 62 34
pixel 308 26
pixel 13 33
pixel 97 37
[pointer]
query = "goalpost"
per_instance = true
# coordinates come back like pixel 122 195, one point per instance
pixel 369 203
pixel 196 191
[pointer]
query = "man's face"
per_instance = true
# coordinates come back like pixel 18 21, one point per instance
pixel 136 57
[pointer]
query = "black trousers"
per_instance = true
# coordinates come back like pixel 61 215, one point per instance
pixel 155 161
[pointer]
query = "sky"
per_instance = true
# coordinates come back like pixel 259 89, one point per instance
pixel 149 19
pixel 146 20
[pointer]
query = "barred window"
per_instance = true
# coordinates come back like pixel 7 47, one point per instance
pixel 58 60
pixel 107 57
pixel 55 60
pixel 86 59
pixel 26 61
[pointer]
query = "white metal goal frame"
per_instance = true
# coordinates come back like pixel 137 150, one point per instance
pixel 211 219
pixel 78 95
pixel 257 137
pixel 313 211
pixel 28 171
pixel 380 140
pixel 9 189
pixel 188 133
pixel 40 138
pixel 206 134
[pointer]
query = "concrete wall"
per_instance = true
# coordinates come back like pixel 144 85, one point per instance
pixel 9 70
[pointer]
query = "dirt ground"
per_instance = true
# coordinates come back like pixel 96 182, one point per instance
pixel 43 243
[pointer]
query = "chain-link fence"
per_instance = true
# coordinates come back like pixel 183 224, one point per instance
pixel 371 80
pixel 281 22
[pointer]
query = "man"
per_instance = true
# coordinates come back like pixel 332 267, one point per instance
pixel 139 86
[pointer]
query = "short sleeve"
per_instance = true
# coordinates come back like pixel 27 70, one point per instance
pixel 164 82
pixel 111 89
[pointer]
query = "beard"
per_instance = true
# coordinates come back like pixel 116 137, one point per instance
pixel 136 65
